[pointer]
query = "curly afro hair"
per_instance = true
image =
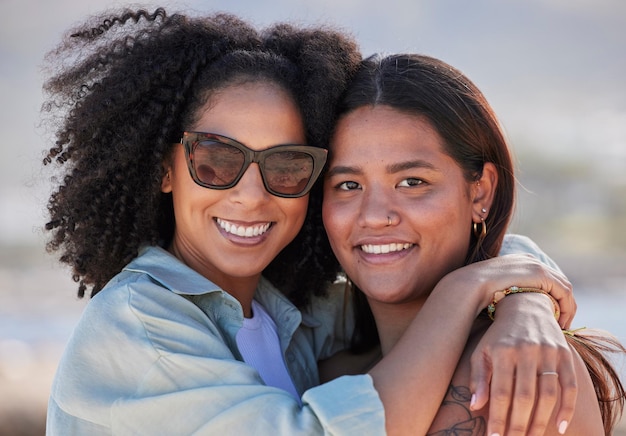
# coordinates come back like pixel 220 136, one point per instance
pixel 126 83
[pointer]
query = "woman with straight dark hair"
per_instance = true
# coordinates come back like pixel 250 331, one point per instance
pixel 420 191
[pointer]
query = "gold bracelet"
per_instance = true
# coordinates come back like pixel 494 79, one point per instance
pixel 499 295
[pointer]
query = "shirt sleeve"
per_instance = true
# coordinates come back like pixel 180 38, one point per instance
pixel 341 407
pixel 519 244
pixel 146 361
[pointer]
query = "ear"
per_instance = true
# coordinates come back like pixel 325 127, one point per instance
pixel 484 191
pixel 166 182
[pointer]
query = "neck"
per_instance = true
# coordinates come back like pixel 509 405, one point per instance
pixel 392 320
pixel 241 288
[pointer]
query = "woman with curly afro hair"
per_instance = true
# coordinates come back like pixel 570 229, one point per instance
pixel 187 207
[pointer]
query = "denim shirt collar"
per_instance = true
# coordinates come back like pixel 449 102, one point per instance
pixel 170 272
pixel 174 275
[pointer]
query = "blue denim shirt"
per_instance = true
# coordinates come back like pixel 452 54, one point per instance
pixel 155 353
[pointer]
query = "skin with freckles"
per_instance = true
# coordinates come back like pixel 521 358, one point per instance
pixel 231 235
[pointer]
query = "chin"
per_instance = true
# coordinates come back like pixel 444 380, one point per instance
pixel 389 296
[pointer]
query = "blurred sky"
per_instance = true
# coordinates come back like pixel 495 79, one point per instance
pixel 555 71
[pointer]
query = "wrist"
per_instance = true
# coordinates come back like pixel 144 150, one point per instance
pixel 469 288
pixel 513 300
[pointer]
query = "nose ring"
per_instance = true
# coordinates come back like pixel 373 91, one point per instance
pixel 388 221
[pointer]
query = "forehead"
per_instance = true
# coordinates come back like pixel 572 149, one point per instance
pixel 245 96
pixel 260 113
pixel 382 133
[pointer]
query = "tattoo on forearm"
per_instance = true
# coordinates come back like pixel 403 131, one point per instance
pixel 455 417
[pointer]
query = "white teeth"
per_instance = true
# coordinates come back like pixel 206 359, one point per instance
pixel 243 231
pixel 385 248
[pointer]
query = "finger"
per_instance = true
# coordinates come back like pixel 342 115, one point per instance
pixel 480 376
pixel 565 321
pixel 569 391
pixel 548 386
pixel 567 306
pixel 502 383
pixel 524 399
pixel 561 289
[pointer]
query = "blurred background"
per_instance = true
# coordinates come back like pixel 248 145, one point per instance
pixel 554 71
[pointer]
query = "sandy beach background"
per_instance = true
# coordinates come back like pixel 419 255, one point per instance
pixel 553 70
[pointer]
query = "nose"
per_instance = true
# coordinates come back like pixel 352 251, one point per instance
pixel 376 208
pixel 250 189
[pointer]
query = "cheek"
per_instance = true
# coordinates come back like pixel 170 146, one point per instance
pixel 327 218
pixel 295 209
pixel 441 220
pixel 336 222
pixel 455 217
pixel 179 178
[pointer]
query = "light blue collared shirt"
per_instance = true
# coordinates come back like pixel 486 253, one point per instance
pixel 155 353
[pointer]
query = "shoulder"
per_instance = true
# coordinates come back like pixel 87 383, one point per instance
pixel 133 316
pixel 143 311
pixel 334 310
pixel 332 320
pixel 520 244
pixel 587 417
pixel 127 331
pixel 336 302
pixel 514 243
pixel 455 414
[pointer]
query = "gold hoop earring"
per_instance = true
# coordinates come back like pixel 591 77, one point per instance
pixel 480 234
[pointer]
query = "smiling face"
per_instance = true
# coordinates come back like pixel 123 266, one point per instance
pixel 231 235
pixel 397 209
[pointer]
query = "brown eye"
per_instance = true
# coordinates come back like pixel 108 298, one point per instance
pixel 411 182
pixel 348 186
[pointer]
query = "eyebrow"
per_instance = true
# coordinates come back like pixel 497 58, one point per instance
pixel 401 166
pixel 391 169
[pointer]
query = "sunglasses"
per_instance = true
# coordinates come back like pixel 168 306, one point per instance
pixel 218 162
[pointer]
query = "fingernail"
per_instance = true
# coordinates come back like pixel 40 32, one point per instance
pixel 563 426
pixel 472 401
pixel 495 434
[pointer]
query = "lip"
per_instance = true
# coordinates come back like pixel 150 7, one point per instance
pixel 241 232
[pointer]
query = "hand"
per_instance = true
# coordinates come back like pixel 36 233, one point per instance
pixel 523 343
